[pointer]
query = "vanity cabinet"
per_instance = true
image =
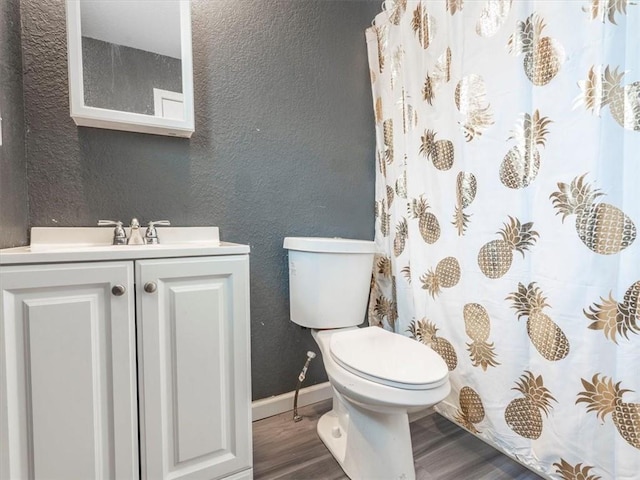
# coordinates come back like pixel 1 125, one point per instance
pixel 193 359
pixel 126 369
pixel 67 353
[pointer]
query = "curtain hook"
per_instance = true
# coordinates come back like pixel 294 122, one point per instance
pixel 383 7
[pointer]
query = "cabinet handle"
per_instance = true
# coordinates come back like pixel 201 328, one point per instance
pixel 118 290
pixel 150 287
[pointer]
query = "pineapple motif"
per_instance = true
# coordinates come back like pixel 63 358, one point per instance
pixel 603 397
pixel 387 129
pixel 546 336
pixel 494 14
pixel 603 228
pixel 382 163
pixel 495 257
pixel 378 110
pixel 466 188
pixel 396 9
pixel 406 272
pixel 382 38
pixel 605 88
pixel 447 275
pixel 443 66
pixel 521 164
pixel 441 75
pixel 386 309
pixel 428 90
pixel 427 221
pixel 425 332
pixel 523 414
pixel 385 218
pixel 400 240
pixel 470 98
pixel 477 325
pixel 440 152
pixel 471 409
pixel 454 6
pixel 543 55
pixel 385 221
pixel 390 195
pixel 617 317
pixel 607 8
pixel 396 65
pixel 574 472
pixel 401 184
pixel 384 266
pixel 423 25
pixel 409 114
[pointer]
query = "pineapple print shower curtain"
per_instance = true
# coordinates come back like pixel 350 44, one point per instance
pixel 507 208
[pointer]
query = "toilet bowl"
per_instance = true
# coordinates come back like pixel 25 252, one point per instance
pixel 377 377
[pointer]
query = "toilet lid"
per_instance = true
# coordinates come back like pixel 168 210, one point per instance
pixel 388 358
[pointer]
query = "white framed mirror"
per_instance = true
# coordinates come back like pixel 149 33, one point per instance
pixel 130 65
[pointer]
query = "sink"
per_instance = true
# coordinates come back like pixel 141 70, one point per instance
pixel 49 244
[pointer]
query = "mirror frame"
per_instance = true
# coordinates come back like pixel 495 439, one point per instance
pixel 86 116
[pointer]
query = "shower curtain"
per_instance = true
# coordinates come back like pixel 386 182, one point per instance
pixel 507 208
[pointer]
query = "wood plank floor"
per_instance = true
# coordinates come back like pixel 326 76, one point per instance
pixel 283 449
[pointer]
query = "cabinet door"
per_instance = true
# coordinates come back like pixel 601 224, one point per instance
pixel 193 334
pixel 67 371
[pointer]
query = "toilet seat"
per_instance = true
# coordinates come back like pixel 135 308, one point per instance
pixel 388 358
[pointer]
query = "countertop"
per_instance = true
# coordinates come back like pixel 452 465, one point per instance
pixel 88 244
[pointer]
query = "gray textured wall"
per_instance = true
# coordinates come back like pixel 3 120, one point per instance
pixel 284 145
pixel 123 78
pixel 13 179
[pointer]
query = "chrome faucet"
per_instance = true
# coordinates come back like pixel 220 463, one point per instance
pixel 119 235
pixel 135 237
pixel 151 235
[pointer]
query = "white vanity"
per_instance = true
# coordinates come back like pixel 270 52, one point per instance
pixel 125 362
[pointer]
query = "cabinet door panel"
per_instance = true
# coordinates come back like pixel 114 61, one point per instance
pixel 197 315
pixel 67 353
pixel 194 346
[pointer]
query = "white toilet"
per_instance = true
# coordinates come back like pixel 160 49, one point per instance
pixel 377 376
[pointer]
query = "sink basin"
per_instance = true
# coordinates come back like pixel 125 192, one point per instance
pixel 95 243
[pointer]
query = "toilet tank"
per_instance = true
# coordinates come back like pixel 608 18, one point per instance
pixel 329 280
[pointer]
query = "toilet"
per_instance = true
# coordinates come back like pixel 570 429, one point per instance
pixel 377 377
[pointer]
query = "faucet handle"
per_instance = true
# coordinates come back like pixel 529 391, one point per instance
pixel 151 235
pixel 119 235
pixel 162 223
pixel 109 223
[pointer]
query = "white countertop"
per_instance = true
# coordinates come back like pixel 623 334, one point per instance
pixel 86 244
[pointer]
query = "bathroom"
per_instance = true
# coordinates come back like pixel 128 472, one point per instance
pixel 284 144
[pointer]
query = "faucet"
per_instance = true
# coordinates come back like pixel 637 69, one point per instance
pixel 135 237
pixel 119 235
pixel 151 235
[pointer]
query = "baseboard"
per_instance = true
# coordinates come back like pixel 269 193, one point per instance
pixel 267 407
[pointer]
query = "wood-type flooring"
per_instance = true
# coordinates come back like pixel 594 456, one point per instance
pixel 284 449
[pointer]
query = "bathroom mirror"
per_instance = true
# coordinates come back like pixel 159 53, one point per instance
pixel 130 65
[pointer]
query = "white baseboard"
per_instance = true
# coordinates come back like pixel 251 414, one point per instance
pixel 267 407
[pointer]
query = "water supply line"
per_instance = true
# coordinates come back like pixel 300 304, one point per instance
pixel 310 356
